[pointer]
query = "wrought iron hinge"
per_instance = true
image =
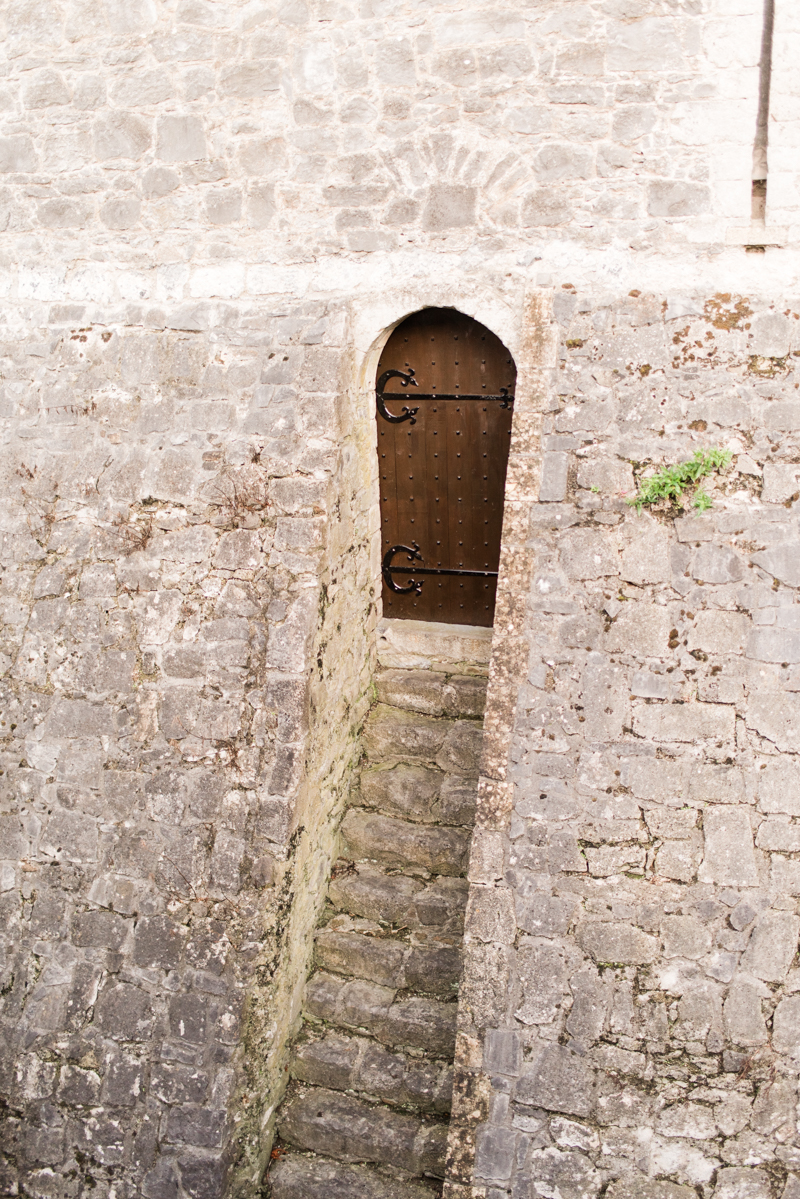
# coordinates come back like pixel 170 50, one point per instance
pixel 388 569
pixel 380 400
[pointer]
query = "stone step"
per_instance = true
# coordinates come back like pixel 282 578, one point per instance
pixel 350 1130
pixel 416 1023
pixel 392 735
pixel 419 793
pixel 296 1177
pixel 401 844
pixel 430 971
pixel 432 693
pixel 399 900
pixel 371 1075
pixel 349 1063
pixel 432 645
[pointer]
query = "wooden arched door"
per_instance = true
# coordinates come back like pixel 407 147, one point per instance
pixel 444 395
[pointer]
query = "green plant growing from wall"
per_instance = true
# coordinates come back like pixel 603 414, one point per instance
pixel 672 482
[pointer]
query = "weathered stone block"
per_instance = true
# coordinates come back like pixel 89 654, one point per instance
pixel 397 843
pixel 490 915
pixel 633 1186
pixel 179 1084
pixel 786 1026
pixel 17 154
pixel 729 858
pixel 238 550
pixel 544 915
pixel 196 1126
pixel 415 690
pixel 774 645
pixel 433 971
pixel 187 1017
pixel 543 975
pixel 121 135
pixel 465 695
pixel 785 875
pixel 646 559
pixel 741 1182
pixel 304 1178
pixel 421 1024
pixel 404 790
pixel 449 206
pixel 79 1086
pixel 494 1153
pixel 181 138
pixel 675 198
pixel 122 1085
pixel 365 957
pixel 775 716
pixel 462 748
pixel 123 1012
pixel 390 734
pixel 744 1021
pixel 326 1063
pixel 721 633
pixel 779 835
pixel 655 779
pixel 559 1081
pixel 772 946
pixel 685 722
pixel 685 937
pixel 720 784
pixel 157 942
pixel 640 629
pixel 782 562
pixel 553 486
pixel 586 554
pixel 99 929
pixel 368 892
pixel 779 787
pixel 616 942
pixel 502 1051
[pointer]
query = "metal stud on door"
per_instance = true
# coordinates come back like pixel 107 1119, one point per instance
pixel 444 400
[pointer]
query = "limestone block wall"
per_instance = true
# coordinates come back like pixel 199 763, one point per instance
pixel 211 214
pixel 629 1006
pixel 156 155
pixel 185 565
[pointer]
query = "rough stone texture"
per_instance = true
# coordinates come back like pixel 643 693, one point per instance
pixel 641 810
pixel 212 215
pixel 295 1178
pixel 371 1071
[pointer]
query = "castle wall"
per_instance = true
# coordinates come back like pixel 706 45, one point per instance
pixel 212 214
pixel 628 1010
pixel 186 568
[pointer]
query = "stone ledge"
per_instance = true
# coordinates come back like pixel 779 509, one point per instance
pixel 756 235
pixel 428 645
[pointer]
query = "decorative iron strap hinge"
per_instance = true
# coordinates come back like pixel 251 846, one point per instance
pixel 407 413
pixel 410 414
pixel 388 569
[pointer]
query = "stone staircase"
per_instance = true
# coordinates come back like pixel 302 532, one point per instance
pixel 365 1115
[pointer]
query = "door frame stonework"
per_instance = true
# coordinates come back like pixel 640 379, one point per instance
pixel 525 325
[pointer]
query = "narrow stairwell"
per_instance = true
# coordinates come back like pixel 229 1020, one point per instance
pixel 366 1112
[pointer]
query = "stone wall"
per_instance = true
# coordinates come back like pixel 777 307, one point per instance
pixel 212 214
pixel 158 155
pixel 629 1007
pixel 186 566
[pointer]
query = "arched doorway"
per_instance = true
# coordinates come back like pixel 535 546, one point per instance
pixel 444 396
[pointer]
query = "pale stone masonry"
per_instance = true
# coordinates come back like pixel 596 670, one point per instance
pixel 213 213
